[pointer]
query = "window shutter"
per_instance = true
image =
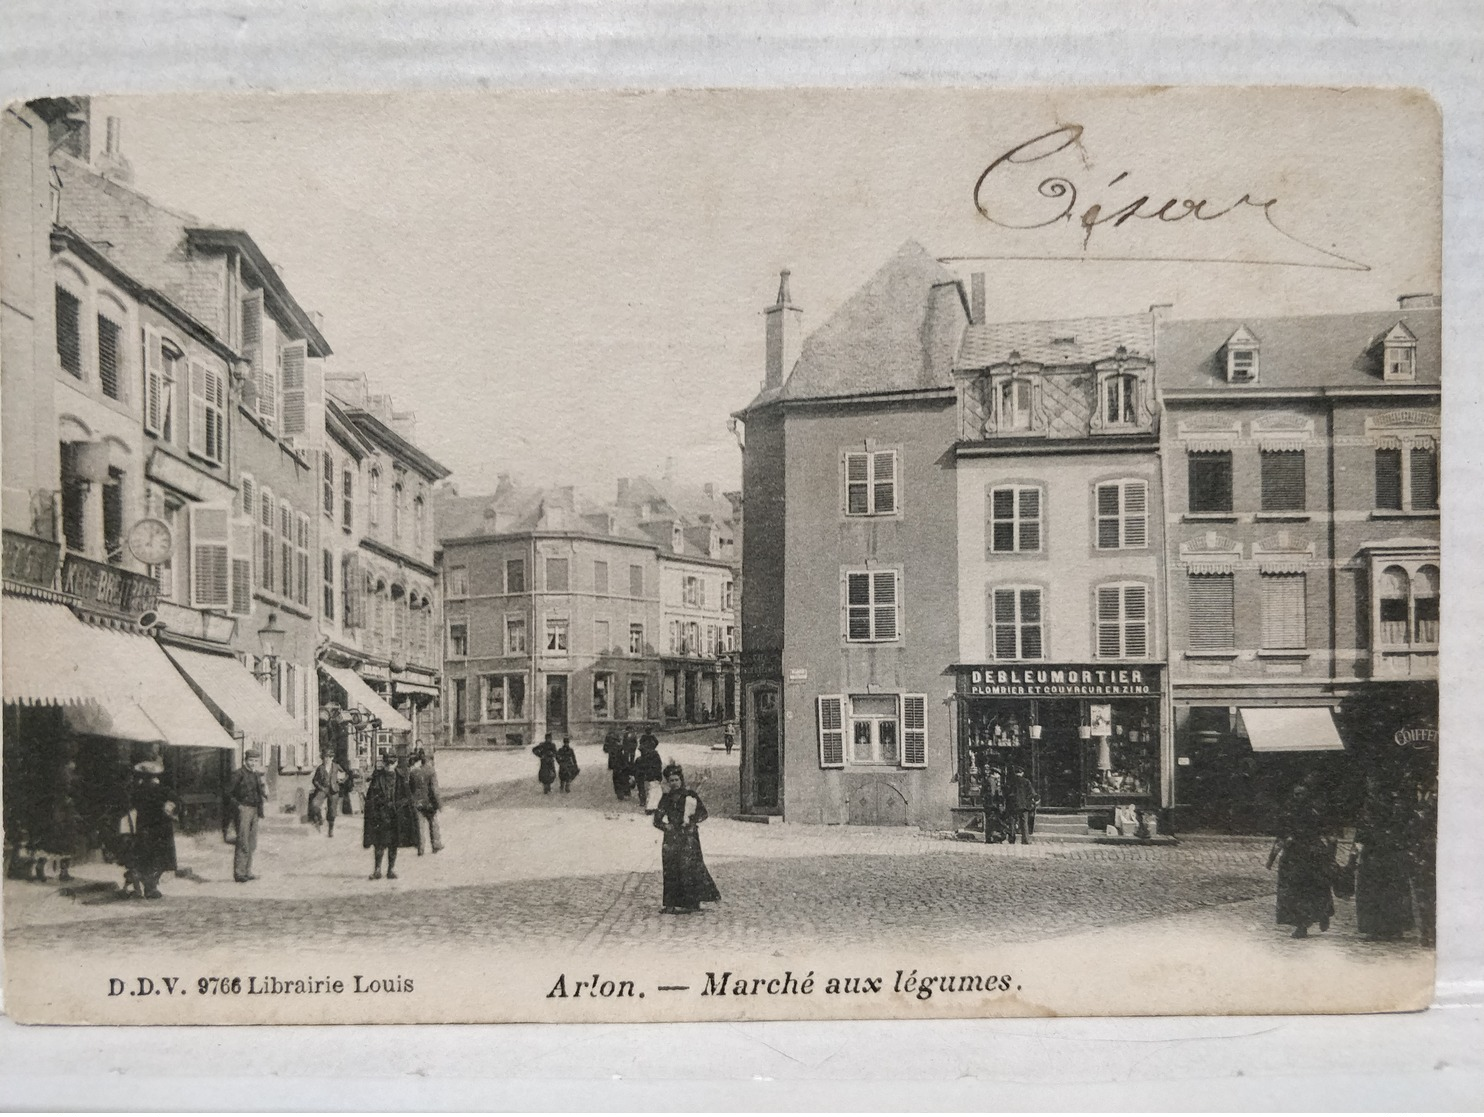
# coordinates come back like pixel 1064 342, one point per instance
pixel 314 398
pixel 1212 623
pixel 1283 620
pixel 857 484
pixel 1030 624
pixel 244 538
pixel 216 414
pixel 1389 479
pixel 210 556
pixel 1135 622
pixel 69 331
pixel 1283 481
pixel 292 358
pixel 1003 611
pixel 1110 644
pixel 252 339
pixel 858 606
pixel 353 592
pixel 1108 516
pixel 154 382
pixel 914 731
pixel 885 585
pixel 1424 478
pixel 110 333
pixel 1135 514
pixel 831 730
pixel 249 496
pixel 199 390
pixel 884 481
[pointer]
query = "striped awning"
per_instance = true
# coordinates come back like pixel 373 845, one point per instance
pixel 230 689
pixel 357 693
pixel 41 662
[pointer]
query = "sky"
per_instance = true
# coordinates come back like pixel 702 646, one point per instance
pixel 569 286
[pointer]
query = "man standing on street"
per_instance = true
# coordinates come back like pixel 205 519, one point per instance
pixel 327 784
pixel 247 793
pixel 1020 800
pixel 424 782
pixel 613 746
pixel 648 768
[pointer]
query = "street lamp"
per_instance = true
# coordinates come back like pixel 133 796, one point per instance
pixel 270 638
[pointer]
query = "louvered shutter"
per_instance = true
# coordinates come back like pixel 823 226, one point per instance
pixel 1135 622
pixel 1389 479
pixel 353 593
pixel 249 497
pixel 1283 481
pixel 1108 516
pixel 292 358
pixel 252 338
pixel 1030 624
pixel 216 414
pixel 210 556
pixel 858 606
pixel 1135 514
pixel 1283 620
pixel 243 544
pixel 914 731
pixel 154 381
pixel 831 730
pixel 266 546
pixel 857 484
pixel 199 388
pixel 1424 465
pixel 1212 623
pixel 301 559
pixel 1110 622
pixel 314 399
pixel 884 481
pixel 885 586
pixel 1003 625
pixel 1030 520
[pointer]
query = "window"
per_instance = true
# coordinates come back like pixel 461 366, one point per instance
pixel 1013 402
pixel 692 645
pixel 210 529
pixel 675 638
pixel 1014 519
pixel 113 516
pixel 351 615
pixel 872 606
pixel 458 640
pixel 460 704
pixel 162 362
pixel 301 558
pixel 164 573
pixel 69 332
pixel 285 550
pixel 396 510
pixel 1400 354
pixel 602 695
pixel 347 498
pixel 875 732
pixel 1123 621
pixel 504 697
pixel 110 356
pixel 515 635
pixel 556 636
pixel 602 636
pixel 208 407
pixel 419 520
pixel 1210 475
pixel 458 581
pixel 266 547
pixel 1212 615
pixel 327 483
pixel 1423 466
pixel 1283 481
pixel 1016 623
pixel 1407 479
pixel 1241 365
pixel 556 575
pixel 638 697
pixel 728 596
pixel 1284 625
pixel 713 640
pixel 600 577
pixel 74 505
pixel 515 575
pixel 1121 400
pixel 876 729
pixel 1123 515
pixel 1408 606
pixel 373 497
pixel 871 483
pixel 693 592
pixel 636 581
pixel 730 638
pixel 327 577
pixel 636 639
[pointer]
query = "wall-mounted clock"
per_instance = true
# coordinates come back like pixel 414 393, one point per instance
pixel 150 541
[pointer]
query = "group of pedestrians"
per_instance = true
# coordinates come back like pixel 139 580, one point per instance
pixel 558 765
pixel 1009 803
pixel 1390 870
pixel 634 763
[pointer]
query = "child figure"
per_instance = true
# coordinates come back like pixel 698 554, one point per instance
pixel 566 763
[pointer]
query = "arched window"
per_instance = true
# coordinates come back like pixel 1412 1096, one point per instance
pixel 419 520
pixel 373 497
pixel 397 510
pixel 1394 591
pixel 1425 599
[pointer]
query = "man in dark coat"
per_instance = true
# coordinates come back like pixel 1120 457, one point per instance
pixel 327 786
pixel 424 783
pixel 389 820
pixel 152 813
pixel 546 753
pixel 1020 801
pixel 247 795
pixel 613 745
pixel 648 768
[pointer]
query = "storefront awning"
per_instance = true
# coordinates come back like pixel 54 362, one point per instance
pixel 134 676
pixel 1291 729
pixel 41 662
pixel 357 693
pixel 427 689
pixel 231 688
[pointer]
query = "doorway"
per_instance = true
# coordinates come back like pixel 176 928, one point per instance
pixel 765 756
pixel 556 703
pixel 1058 756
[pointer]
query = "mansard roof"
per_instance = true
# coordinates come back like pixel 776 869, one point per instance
pixel 1054 342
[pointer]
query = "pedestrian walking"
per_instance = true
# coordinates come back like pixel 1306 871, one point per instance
pixel 613 745
pixel 326 786
pixel 547 751
pixel 151 821
pixel 248 794
pixel 1305 855
pixel 729 737
pixel 388 819
pixel 648 768
pixel 423 781
pixel 687 882
pixel 1020 802
pixel 566 762
pixel 992 800
pixel 1383 886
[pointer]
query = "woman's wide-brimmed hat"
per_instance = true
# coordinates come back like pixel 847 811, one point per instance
pixel 150 768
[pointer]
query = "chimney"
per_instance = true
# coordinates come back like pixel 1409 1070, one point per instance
pixel 112 164
pixel 1419 302
pixel 976 298
pixel 783 335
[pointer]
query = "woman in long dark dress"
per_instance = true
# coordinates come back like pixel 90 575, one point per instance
pixel 1383 887
pixel 389 818
pixel 1306 855
pixel 151 817
pixel 687 883
pixel 547 773
pixel 566 762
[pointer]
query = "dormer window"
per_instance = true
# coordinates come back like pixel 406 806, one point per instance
pixel 1015 404
pixel 1399 361
pixel 1121 400
pixel 1241 357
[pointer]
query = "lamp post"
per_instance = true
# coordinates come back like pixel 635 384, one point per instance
pixel 270 639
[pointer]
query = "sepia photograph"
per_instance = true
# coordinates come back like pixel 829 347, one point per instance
pixel 720 555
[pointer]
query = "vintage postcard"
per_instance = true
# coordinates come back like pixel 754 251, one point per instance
pixel 720 555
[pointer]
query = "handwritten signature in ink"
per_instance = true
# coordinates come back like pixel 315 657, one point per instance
pixel 1062 189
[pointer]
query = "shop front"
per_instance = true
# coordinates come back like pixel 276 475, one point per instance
pixel 1087 735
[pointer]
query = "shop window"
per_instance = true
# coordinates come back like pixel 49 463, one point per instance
pixel 600 577
pixel 872 606
pixel 1283 480
pixel 1014 519
pixel 1212 616
pixel 871 483
pixel 1284 621
pixel 69 332
pixel 636 639
pixel 515 636
pixel 1123 515
pixel 602 695
pixel 113 516
pixel 1016 624
pixel 1123 621
pixel 110 356
pixel 1210 477
pixel 636 581
pixel 556 636
pixel 638 697
pixel 504 697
